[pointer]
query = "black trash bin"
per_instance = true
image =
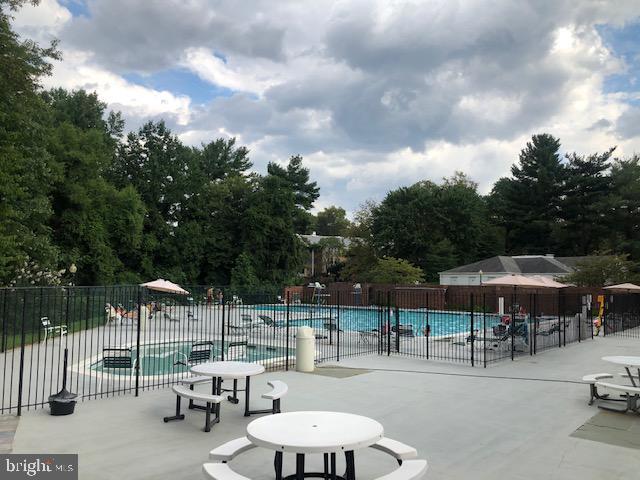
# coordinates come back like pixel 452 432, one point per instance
pixel 63 402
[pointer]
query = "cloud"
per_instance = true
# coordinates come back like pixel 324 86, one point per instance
pixel 145 36
pixel 374 93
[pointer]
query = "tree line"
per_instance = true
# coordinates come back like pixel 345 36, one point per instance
pixel 569 205
pixel 122 208
pixel 76 189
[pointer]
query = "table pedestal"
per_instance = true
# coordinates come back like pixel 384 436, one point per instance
pixel 329 472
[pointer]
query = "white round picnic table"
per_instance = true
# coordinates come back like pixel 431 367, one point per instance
pixel 231 370
pixel 628 362
pixel 314 432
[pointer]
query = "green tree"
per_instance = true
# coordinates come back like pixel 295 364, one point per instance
pixel 243 273
pixel 602 270
pixel 270 233
pixel 86 224
pixel 296 178
pixel 394 271
pixel 583 207
pixel 332 221
pixel 435 227
pixel 528 205
pixel 622 208
pixel 26 168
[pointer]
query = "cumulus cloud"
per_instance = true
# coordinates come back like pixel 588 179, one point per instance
pixel 374 93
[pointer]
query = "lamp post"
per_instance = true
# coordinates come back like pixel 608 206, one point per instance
pixel 72 270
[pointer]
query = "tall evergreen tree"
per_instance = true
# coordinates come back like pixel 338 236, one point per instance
pixel 306 192
pixel 528 205
pixel 583 208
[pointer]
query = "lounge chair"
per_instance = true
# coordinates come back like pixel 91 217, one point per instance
pixel 267 320
pixel 403 330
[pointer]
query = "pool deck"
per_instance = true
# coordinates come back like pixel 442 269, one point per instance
pixel 513 420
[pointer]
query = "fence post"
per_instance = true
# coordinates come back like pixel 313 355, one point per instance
pixel 484 329
pixel 138 339
pixel 603 325
pixel 513 320
pixel 222 349
pixel 22 332
pixel 427 332
pixel 472 332
pixel 4 319
pixel 559 320
pixel 286 362
pixel 388 324
pixel 338 327
pixel 534 332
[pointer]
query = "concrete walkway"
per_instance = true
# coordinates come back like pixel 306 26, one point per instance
pixel 513 420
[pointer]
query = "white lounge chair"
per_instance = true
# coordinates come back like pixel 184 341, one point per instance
pixel 50 329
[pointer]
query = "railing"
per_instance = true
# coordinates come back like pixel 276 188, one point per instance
pixel 125 339
pixel 622 315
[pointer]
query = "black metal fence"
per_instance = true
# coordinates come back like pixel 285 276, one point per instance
pixel 621 315
pixel 127 339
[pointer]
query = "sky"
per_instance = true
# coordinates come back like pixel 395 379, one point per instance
pixel 374 94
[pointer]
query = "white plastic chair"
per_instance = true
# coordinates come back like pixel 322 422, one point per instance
pixel 50 329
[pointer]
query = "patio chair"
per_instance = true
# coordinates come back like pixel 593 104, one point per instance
pixel 365 336
pixel 236 351
pixel 117 358
pixel 403 330
pixel 50 330
pixel 200 352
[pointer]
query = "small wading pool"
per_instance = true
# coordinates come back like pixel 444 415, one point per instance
pixel 159 359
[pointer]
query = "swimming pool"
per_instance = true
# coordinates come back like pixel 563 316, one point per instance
pixel 160 359
pixel 441 323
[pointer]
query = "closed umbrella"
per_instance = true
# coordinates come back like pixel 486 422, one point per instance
pixel 162 285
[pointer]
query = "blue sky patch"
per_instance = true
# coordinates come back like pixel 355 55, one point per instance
pixel 625 43
pixel 76 7
pixel 180 81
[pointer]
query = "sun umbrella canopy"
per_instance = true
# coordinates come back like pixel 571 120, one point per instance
pixel 630 287
pixel 162 285
pixel 551 283
pixel 516 281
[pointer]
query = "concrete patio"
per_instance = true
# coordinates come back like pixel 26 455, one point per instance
pixel 512 420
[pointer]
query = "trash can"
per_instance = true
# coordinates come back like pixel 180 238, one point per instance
pixel 305 349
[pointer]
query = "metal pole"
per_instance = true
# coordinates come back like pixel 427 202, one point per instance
pixel 222 349
pixel 24 308
pixel 427 332
pixel 484 329
pixel 338 327
pixel 286 363
pixel 472 332
pixel 388 325
pixel 513 318
pixel 138 340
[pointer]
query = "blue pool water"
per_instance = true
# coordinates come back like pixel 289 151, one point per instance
pixel 440 322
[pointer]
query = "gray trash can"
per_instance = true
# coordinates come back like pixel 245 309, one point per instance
pixel 305 349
